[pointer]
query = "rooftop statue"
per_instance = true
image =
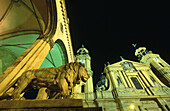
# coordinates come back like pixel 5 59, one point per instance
pixel 58 80
pixel 101 84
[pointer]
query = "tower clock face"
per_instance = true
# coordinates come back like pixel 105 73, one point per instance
pixel 156 59
pixel 82 61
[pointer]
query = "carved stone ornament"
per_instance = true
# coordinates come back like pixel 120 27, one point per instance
pixel 127 65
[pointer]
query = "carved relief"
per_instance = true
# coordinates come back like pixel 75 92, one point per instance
pixel 127 66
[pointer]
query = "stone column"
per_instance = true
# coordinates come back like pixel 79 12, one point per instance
pixel 32 58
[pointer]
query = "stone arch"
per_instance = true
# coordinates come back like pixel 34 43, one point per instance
pixel 13 47
pixel 64 51
pixel 57 56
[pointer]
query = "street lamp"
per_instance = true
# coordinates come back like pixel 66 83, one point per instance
pixel 132 106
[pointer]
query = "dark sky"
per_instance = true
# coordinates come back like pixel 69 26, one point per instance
pixel 108 28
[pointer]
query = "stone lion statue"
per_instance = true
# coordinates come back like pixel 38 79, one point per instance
pixel 58 80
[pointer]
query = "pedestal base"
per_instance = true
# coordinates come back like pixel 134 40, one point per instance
pixel 45 105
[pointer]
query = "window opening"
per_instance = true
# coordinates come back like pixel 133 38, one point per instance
pixel 167 107
pixel 82 88
pixel 161 64
pixel 136 83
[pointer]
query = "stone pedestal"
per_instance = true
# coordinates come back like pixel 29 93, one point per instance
pixel 45 105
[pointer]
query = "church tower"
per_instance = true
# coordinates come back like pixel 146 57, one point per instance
pixel 158 65
pixel 84 90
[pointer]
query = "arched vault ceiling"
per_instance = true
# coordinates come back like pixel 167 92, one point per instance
pixel 23 16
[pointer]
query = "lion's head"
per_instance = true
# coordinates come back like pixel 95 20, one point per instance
pixel 77 69
pixel 81 72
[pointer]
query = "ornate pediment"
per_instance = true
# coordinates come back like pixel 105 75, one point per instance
pixel 128 65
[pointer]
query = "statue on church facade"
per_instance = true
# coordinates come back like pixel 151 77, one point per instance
pixel 101 83
pixel 58 80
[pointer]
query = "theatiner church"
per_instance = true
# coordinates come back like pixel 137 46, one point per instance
pixel 38 70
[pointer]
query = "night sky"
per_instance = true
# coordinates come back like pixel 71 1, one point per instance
pixel 108 28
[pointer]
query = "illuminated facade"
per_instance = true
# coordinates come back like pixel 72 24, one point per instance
pixel 159 66
pixel 134 87
pixel 39 36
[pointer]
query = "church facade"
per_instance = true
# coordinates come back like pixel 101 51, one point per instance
pixel 132 86
pixel 44 41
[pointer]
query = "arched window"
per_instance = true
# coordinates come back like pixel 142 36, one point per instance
pixel 136 83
